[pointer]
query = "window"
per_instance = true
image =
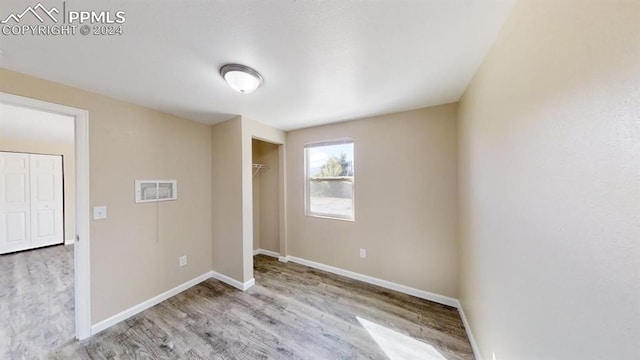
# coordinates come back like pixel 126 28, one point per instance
pixel 329 174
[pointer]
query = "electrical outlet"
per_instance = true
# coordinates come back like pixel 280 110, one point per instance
pixel 182 261
pixel 363 253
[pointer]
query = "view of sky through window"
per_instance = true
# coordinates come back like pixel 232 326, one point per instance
pixel 318 156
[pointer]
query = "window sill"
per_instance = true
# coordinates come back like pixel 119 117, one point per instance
pixel 329 217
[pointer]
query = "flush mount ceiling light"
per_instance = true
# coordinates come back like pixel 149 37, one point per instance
pixel 242 79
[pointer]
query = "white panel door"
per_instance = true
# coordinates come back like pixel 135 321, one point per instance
pixel 46 200
pixel 31 201
pixel 15 202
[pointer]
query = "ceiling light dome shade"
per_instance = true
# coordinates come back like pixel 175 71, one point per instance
pixel 242 79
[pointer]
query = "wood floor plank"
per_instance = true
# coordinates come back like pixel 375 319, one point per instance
pixel 293 312
pixel 36 302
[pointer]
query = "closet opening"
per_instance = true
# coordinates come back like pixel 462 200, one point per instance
pixel 266 198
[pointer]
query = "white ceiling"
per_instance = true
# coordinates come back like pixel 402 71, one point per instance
pixel 24 124
pixel 322 61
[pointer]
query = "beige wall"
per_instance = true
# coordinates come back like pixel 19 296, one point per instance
pixel 405 200
pixel 67 150
pixel 233 210
pixel 266 214
pixel 550 185
pixel 134 253
pixel 227 199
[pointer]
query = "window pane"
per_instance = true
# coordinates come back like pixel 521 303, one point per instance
pixel 330 176
pixel 330 160
pixel 331 197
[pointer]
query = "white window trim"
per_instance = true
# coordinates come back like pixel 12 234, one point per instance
pixel 308 179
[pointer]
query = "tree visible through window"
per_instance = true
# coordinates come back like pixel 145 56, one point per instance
pixel 329 179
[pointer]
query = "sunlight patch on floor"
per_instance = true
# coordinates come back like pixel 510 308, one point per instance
pixel 399 346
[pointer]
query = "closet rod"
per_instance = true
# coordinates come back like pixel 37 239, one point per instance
pixel 258 167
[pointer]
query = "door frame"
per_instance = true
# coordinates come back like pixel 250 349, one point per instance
pixel 82 274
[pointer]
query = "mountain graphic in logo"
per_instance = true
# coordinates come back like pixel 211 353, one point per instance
pixel 34 12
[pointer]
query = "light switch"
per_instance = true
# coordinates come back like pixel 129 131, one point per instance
pixel 99 212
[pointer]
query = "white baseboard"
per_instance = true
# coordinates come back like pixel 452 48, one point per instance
pixel 441 299
pixel 107 323
pixel 472 340
pixel 233 282
pixel 249 284
pixel 104 324
pixel 266 252
pixel 70 241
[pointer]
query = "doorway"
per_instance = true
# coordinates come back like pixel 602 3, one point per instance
pixel 79 230
pixel 37 268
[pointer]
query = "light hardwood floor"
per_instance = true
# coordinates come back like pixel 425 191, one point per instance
pixel 293 312
pixel 36 302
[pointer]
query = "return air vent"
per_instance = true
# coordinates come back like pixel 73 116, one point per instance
pixel 156 190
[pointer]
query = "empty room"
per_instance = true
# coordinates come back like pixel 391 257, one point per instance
pixel 306 179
